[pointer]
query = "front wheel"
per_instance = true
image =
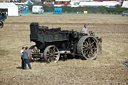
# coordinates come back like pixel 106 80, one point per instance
pixel 51 54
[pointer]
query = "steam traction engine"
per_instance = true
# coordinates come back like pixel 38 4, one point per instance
pixel 51 43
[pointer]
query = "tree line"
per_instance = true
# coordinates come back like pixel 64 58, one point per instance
pixel 101 9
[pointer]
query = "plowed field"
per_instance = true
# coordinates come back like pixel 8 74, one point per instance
pixel 107 69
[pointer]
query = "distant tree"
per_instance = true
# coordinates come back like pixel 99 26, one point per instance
pixel 118 6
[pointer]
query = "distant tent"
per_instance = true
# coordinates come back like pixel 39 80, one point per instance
pixel 28 2
pixel 10 8
pixel 125 4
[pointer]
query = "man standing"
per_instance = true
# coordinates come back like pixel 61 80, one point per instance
pixel 22 59
pixel 84 29
pixel 26 58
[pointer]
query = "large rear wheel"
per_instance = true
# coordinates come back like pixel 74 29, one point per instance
pixel 51 54
pixel 87 47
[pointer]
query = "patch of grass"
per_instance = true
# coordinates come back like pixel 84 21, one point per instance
pixel 3 52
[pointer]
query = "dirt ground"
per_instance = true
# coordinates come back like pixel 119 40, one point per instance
pixel 107 69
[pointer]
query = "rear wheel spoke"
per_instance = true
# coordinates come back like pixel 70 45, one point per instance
pixel 89 40
pixel 92 43
pixel 86 52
